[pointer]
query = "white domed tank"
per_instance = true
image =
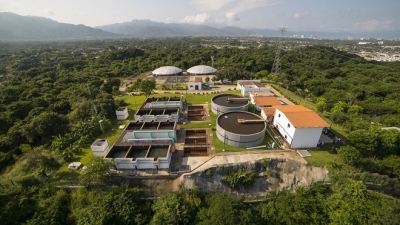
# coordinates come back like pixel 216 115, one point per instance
pixel 201 70
pixel 167 71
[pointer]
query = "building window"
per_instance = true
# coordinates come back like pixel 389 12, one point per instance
pixel 191 85
pixel 285 136
pixel 288 125
pixel 279 115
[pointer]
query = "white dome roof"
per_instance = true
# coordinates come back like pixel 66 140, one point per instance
pixel 167 70
pixel 201 69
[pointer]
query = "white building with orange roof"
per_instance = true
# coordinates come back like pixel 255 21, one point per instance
pixel 268 113
pixel 195 83
pixel 299 126
pixel 253 94
pixel 246 86
pixel 265 101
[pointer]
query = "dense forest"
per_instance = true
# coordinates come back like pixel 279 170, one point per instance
pixel 343 202
pixel 54 94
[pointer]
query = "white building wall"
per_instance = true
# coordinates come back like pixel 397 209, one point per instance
pixel 192 85
pixel 252 88
pixel 122 117
pixel 281 123
pixel 306 137
pixel 258 107
pixel 263 115
pixel 100 150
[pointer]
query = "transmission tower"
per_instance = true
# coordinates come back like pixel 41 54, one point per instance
pixel 276 67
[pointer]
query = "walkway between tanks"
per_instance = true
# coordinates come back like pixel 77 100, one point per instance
pixel 202 163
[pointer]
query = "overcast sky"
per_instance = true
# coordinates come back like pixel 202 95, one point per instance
pixel 311 15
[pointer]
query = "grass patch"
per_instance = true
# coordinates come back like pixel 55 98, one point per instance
pixel 325 158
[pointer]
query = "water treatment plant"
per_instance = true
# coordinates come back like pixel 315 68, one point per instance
pixel 228 103
pixel 241 129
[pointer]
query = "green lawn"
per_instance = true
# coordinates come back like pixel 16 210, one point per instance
pixel 324 157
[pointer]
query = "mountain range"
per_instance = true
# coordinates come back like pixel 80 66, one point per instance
pixel 14 27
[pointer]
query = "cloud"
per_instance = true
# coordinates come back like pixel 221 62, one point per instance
pixel 245 5
pixel 233 6
pixel 232 17
pixel 197 19
pixel 298 16
pixel 48 11
pixel 349 10
pixel 211 5
pixel 8 6
pixel 374 25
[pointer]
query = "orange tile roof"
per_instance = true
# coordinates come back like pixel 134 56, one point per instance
pixel 269 111
pixel 266 100
pixel 301 117
pixel 259 84
pixel 245 83
pixel 196 79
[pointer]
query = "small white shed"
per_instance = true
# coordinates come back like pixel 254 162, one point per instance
pixel 122 113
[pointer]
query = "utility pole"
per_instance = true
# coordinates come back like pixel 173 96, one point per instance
pixel 276 67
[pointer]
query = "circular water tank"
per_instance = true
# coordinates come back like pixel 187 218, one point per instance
pixel 241 129
pixel 201 70
pixel 167 70
pixel 228 103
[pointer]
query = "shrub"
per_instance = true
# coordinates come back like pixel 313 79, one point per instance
pixel 243 176
pixel 208 173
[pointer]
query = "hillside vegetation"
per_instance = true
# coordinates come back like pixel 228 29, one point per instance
pixel 52 100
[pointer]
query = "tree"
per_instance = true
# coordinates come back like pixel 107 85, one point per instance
pixel 349 155
pixel 176 208
pixel 243 176
pixel 207 79
pixel 54 210
pixel 390 165
pixel 305 206
pixel 364 141
pixel 95 171
pixel 147 86
pixel 261 74
pixel 350 203
pixel 110 84
pixel 224 209
pixel 390 141
pixel 339 107
pixel 321 104
pixel 355 109
pixel 44 127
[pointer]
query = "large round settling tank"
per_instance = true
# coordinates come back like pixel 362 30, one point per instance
pixel 241 129
pixel 228 103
